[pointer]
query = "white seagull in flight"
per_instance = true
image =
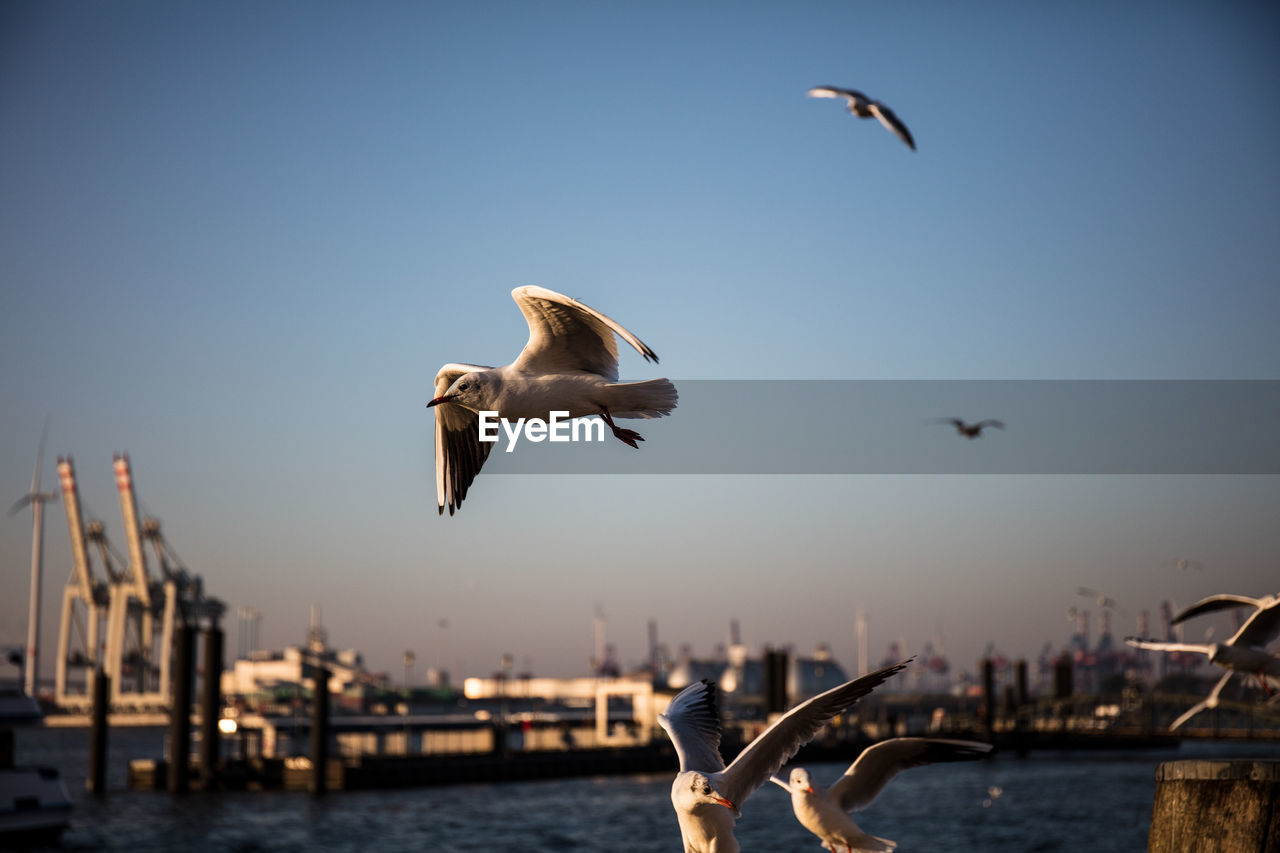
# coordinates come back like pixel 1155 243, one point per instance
pixel 706 794
pixel 826 813
pixel 1245 651
pixel 570 364
pixel 864 107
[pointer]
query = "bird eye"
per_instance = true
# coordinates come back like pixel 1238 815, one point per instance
pixel 464 386
pixel 706 790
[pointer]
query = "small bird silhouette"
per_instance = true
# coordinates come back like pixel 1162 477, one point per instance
pixel 970 430
pixel 864 107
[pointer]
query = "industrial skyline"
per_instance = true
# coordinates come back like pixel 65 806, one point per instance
pixel 237 241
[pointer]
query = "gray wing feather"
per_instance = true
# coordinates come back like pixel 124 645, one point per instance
pixel 459 451
pixel 566 336
pixel 692 721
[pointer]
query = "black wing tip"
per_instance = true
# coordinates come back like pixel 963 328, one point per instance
pixel 944 752
pixel 711 696
pixel 890 671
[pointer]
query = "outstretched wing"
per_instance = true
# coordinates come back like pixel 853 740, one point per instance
pixel 1262 628
pixel 990 422
pixel 459 451
pixel 1214 603
pixel 1162 646
pixel 891 121
pixel 850 95
pixel 566 336
pixel 1210 701
pixel 867 776
pixel 1259 630
pixel 775 746
pixel 692 721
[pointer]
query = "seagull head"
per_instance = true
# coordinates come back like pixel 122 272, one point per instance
pixel 800 782
pixel 693 789
pixel 470 390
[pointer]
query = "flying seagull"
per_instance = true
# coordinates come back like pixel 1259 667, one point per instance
pixel 863 107
pixel 970 430
pixel 826 813
pixel 1245 651
pixel 570 364
pixel 706 794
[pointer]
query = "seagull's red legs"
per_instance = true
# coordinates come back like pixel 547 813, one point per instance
pixel 629 436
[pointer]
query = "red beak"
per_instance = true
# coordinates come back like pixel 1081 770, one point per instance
pixel 438 400
pixel 724 803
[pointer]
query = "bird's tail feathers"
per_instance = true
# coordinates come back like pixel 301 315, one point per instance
pixel 651 398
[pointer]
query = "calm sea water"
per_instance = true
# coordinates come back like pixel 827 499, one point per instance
pixel 1097 801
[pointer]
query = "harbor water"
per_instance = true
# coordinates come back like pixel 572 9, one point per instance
pixel 1084 800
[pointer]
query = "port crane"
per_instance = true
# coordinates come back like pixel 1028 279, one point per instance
pixel 126 624
pixel 84 603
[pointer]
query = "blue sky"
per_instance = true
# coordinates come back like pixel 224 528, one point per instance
pixel 238 239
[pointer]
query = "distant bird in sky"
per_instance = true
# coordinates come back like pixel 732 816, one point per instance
pixel 1099 598
pixel 706 794
pixel 826 813
pixel 1245 651
pixel 970 430
pixel 864 107
pixel 569 364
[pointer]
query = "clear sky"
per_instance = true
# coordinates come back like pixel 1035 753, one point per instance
pixel 237 239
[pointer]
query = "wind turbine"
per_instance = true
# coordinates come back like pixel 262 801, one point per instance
pixel 37 499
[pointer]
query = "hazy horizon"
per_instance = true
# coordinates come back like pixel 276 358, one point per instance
pixel 237 241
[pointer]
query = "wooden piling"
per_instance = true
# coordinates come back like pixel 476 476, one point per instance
pixel 180 712
pixel 96 780
pixel 989 695
pixel 1062 680
pixel 775 681
pixel 1216 806
pixel 210 708
pixel 320 730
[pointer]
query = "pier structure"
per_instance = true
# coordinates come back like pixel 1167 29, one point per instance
pixel 506 728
